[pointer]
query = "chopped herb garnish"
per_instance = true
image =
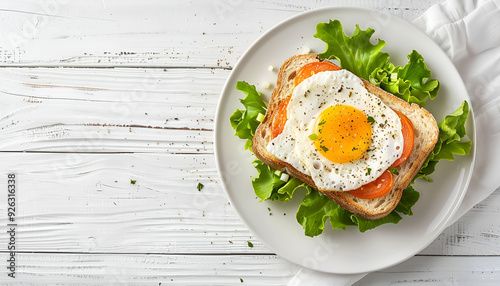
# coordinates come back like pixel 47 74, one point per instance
pixel 199 187
pixel 394 171
pixel 323 148
pixel 133 182
pixel 370 119
pixel 260 117
pixel 368 171
pixel 322 122
pixel 241 280
pixel 250 244
pixel 313 136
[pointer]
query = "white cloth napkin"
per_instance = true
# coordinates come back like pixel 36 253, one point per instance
pixel 468 31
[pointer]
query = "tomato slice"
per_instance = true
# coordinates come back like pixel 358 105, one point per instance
pixel 381 186
pixel 279 118
pixel 314 68
pixel 407 130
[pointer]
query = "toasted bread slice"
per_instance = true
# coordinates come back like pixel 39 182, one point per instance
pixel 426 134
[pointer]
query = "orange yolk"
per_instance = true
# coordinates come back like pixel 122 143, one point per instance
pixel 343 133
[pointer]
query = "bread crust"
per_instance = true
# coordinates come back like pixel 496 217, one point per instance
pixel 426 134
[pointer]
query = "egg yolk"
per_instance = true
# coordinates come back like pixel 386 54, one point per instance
pixel 342 133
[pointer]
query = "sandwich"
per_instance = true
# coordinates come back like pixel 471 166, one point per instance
pixel 355 146
pixel 349 139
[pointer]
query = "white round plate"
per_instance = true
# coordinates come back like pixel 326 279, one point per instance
pixel 339 251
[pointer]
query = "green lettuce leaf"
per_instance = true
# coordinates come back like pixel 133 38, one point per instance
pixel 451 131
pixel 285 193
pixel 387 79
pixel 245 122
pixel 314 211
pixel 453 126
pixel 408 200
pixel 364 224
pixel 410 82
pixel 354 53
pixel 267 184
pixel 417 74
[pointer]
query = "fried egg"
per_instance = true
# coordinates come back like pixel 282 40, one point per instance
pixel 338 133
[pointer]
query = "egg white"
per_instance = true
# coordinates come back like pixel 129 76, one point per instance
pixel 309 99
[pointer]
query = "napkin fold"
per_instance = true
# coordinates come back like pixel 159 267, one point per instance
pixel 468 32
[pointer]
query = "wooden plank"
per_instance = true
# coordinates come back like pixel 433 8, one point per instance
pixel 476 233
pixel 99 269
pixel 126 203
pixel 71 202
pixel 434 270
pixel 130 269
pixel 109 110
pixel 153 34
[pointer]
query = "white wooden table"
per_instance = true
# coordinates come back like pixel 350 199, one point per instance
pixel 106 119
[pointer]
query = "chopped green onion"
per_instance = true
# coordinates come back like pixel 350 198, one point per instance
pixel 394 76
pixel 394 171
pixel 199 186
pixel 313 136
pixel 260 117
pixel 284 177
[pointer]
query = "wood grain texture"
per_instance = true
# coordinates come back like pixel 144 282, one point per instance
pixel 110 33
pixel 476 233
pixel 98 94
pixel 131 269
pixel 123 203
pixel 433 270
pixel 149 203
pixel 109 110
